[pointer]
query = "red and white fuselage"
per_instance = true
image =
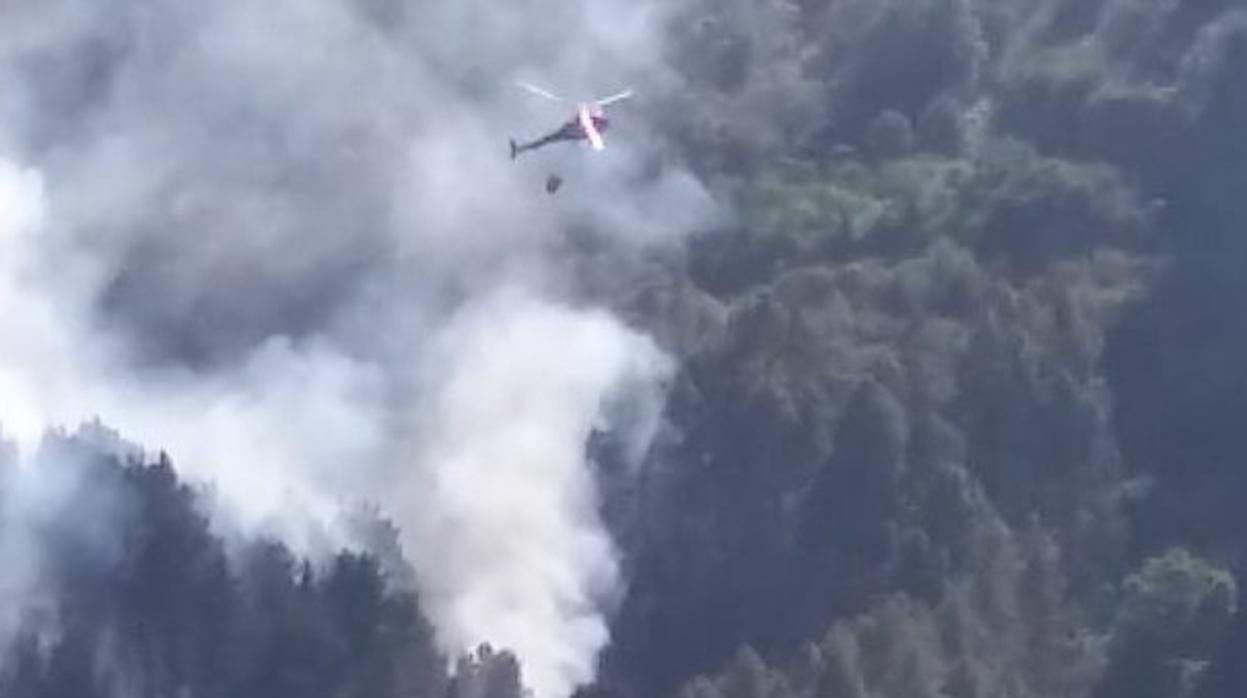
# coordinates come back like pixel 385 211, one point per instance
pixel 592 123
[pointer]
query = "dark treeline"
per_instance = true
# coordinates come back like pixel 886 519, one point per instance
pixel 133 595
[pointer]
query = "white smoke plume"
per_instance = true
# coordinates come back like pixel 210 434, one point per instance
pixel 55 372
pixel 283 241
pixel 504 511
pixel 22 362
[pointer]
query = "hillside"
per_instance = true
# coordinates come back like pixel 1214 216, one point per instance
pixel 943 402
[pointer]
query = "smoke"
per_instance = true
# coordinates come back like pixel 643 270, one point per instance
pixel 283 242
pixel 55 371
pixel 504 512
pixel 26 361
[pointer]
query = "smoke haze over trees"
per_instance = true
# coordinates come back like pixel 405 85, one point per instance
pixel 891 349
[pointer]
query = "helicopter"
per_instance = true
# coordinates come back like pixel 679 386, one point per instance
pixel 588 123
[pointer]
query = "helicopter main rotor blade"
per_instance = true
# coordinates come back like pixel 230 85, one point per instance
pixel 614 98
pixel 545 94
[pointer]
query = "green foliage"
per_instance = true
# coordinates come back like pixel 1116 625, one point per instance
pixel 739 95
pixel 1002 629
pixel 1177 603
pixel 884 425
pixel 1008 203
pixel 1175 612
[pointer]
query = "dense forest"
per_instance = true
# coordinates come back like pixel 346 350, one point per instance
pixel 957 411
